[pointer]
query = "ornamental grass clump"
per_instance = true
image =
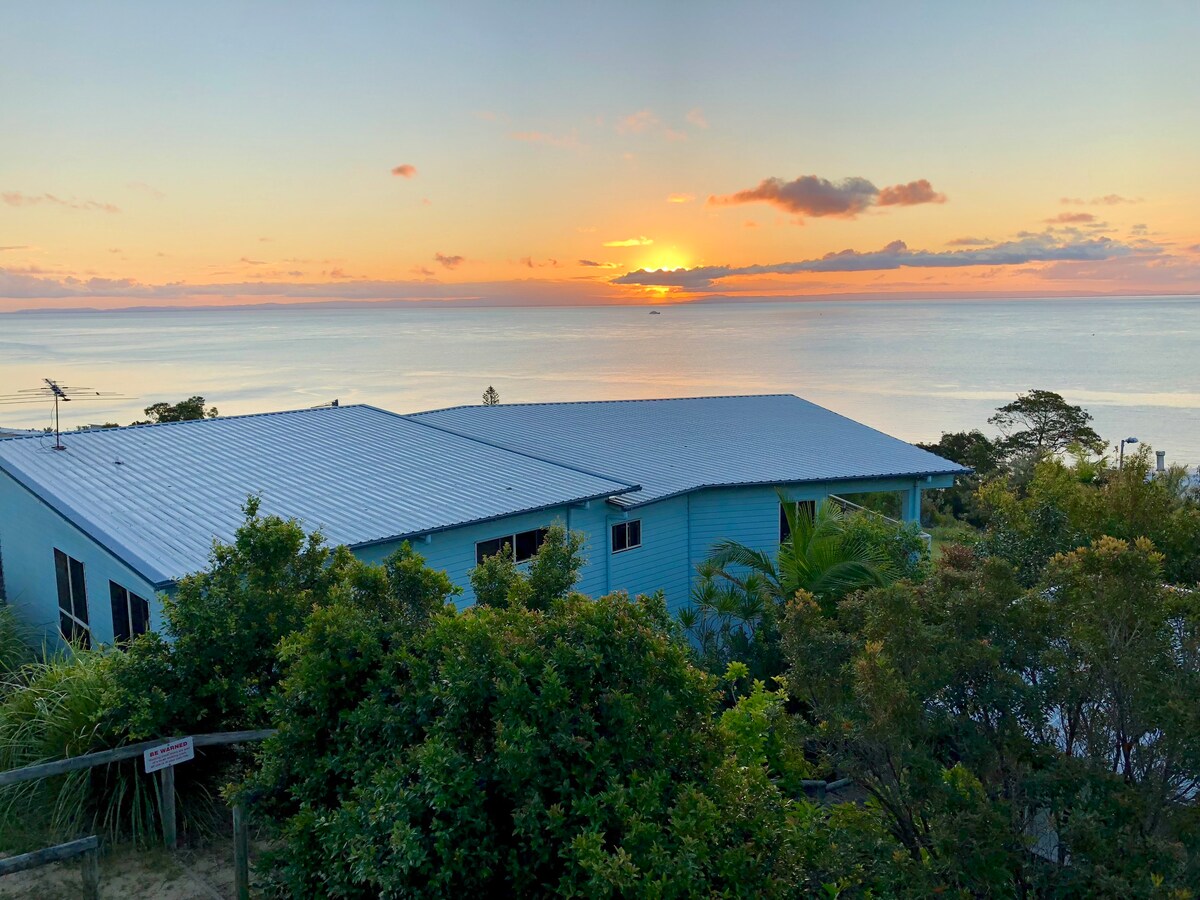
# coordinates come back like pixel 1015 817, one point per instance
pixel 53 709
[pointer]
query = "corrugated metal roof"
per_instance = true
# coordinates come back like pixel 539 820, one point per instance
pixel 673 446
pixel 157 495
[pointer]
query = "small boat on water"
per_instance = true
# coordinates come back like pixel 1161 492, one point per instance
pixel 655 312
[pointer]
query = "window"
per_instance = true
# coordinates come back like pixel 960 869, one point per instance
pixel 803 508
pixel 131 613
pixel 523 545
pixel 626 535
pixel 72 599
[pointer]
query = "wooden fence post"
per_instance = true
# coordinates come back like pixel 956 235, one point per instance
pixel 167 786
pixel 90 873
pixel 241 853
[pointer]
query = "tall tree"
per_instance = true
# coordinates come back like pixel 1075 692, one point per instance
pixel 1041 422
pixel 491 397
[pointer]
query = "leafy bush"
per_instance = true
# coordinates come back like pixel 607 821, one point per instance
pixel 1065 507
pixel 509 751
pixel 215 663
pixel 980 715
pixel 553 571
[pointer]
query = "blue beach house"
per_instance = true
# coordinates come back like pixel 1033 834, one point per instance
pixel 92 534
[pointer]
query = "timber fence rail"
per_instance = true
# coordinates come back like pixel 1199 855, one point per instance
pixel 88 847
pixel 126 751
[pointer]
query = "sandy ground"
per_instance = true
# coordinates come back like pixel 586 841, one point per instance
pixel 130 874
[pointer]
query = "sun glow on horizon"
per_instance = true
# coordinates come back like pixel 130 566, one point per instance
pixel 667 260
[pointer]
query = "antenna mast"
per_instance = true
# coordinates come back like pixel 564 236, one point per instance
pixel 59 394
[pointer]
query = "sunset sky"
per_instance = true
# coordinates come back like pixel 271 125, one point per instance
pixel 171 154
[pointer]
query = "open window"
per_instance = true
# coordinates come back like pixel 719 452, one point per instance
pixel 626 535
pixel 130 613
pixel 523 545
pixel 72 600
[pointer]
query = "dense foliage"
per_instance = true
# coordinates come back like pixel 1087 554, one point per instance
pixel 514 752
pixel 740 592
pixel 1063 507
pixel 986 719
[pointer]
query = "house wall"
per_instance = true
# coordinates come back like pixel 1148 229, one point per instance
pixel 661 562
pixel 677 534
pixel 453 550
pixel 29 533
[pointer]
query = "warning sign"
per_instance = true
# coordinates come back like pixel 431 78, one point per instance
pixel 169 754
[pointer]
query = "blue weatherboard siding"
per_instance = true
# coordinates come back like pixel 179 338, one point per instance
pixel 30 531
pixel 661 562
pixel 141 506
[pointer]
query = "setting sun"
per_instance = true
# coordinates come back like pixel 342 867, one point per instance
pixel 664 261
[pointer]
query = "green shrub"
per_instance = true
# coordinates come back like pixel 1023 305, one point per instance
pixel 515 752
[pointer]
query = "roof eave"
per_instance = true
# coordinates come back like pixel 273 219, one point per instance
pixel 842 479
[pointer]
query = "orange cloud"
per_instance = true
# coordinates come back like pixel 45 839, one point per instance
pixel 449 262
pixel 680 198
pixel 910 194
pixel 630 242
pixel 1072 219
pixel 405 171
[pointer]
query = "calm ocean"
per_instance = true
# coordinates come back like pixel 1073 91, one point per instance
pixel 911 368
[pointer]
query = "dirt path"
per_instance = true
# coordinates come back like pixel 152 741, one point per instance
pixel 127 873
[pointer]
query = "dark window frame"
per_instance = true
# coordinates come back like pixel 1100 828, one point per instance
pixel 73 618
pixel 785 531
pixel 630 532
pixel 522 545
pixel 127 609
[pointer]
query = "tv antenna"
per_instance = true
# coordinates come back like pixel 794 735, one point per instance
pixel 60 393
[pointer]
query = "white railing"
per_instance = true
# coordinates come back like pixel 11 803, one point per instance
pixel 848 506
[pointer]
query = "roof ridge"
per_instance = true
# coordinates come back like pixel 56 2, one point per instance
pixel 254 415
pixel 630 486
pixel 426 412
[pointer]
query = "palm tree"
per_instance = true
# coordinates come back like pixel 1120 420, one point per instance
pixel 819 556
pixel 737 601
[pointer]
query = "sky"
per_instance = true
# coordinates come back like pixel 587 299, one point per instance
pixel 159 154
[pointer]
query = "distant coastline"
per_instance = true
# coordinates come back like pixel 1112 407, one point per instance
pixel 663 302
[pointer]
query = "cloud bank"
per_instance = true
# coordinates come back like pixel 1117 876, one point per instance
pixel 811 196
pixel 896 255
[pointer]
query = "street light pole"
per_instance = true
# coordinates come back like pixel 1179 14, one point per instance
pixel 1121 458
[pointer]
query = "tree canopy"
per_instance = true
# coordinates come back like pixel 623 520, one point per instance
pixel 1040 422
pixel 184 411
